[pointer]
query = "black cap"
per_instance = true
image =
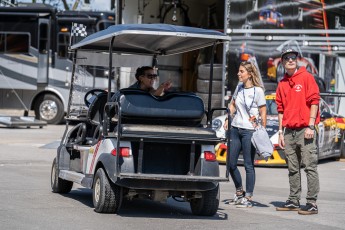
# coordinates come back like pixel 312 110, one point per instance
pixel 287 51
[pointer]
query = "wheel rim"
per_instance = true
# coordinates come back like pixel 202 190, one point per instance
pixel 48 109
pixel 97 190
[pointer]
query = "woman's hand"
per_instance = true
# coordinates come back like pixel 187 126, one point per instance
pixel 225 126
pixel 263 115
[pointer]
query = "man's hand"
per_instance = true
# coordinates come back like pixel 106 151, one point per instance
pixel 166 85
pixel 309 133
pixel 163 87
pixel 281 141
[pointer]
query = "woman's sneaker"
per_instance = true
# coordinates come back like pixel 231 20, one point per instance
pixel 244 203
pixel 289 206
pixel 237 198
pixel 309 209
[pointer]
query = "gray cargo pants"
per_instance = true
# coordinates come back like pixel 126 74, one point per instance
pixel 301 152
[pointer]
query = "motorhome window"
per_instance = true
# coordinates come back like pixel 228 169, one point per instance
pixel 14 43
pixel 43 45
pixel 63 42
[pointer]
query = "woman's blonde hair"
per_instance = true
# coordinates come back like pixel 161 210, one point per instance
pixel 253 71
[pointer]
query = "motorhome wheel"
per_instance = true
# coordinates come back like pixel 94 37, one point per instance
pixel 49 108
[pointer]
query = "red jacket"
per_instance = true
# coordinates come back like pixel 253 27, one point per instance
pixel 294 97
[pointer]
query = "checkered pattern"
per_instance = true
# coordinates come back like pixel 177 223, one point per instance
pixel 78 30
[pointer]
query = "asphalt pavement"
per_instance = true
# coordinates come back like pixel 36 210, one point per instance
pixel 26 200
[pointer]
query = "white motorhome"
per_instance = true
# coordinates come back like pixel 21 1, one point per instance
pixel 34 59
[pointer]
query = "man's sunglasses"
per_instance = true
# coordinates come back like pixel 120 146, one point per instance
pixel 292 57
pixel 151 76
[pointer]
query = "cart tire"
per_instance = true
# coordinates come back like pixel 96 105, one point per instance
pixel 208 204
pixel 49 108
pixel 57 184
pixel 107 197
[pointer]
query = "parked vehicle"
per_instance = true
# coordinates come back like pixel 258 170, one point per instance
pixel 34 61
pixel 331 131
pixel 129 144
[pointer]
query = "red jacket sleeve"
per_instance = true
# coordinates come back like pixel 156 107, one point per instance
pixel 313 92
pixel 279 102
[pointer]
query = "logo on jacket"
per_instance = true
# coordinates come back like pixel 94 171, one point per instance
pixel 298 88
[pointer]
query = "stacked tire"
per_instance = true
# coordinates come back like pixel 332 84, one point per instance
pixel 203 82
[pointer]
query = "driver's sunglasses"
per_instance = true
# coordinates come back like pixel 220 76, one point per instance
pixel 292 57
pixel 151 76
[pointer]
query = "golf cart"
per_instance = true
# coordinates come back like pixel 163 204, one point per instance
pixel 130 144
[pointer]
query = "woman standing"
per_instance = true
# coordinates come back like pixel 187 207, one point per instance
pixel 248 106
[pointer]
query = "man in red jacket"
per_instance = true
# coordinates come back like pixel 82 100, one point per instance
pixel 297 99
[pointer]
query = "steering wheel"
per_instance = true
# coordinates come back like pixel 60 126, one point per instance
pixel 77 135
pixel 91 95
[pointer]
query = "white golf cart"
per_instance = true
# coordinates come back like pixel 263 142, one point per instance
pixel 129 144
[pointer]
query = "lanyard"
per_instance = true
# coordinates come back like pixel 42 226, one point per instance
pixel 245 104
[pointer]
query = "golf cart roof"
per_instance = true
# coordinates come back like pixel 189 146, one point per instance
pixel 151 39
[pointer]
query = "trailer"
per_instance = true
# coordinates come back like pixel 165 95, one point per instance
pixel 259 30
pixel 35 65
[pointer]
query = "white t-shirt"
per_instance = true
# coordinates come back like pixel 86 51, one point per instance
pixel 254 97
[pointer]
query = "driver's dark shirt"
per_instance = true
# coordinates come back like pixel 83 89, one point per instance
pixel 136 85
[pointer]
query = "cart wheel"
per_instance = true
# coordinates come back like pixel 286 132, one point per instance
pixel 57 184
pixel 107 197
pixel 208 204
pixel 49 108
